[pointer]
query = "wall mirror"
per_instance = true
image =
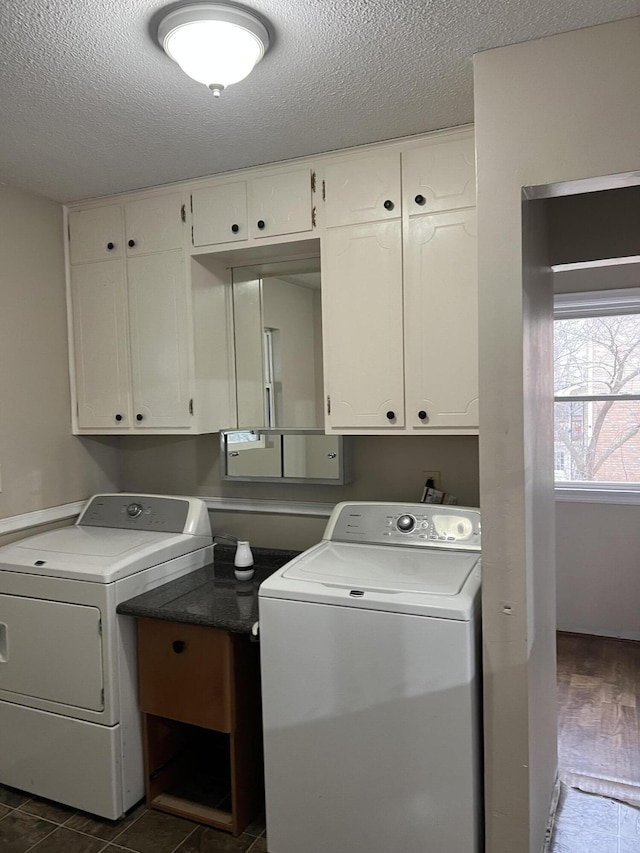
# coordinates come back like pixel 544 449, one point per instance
pixel 278 344
pixel 293 456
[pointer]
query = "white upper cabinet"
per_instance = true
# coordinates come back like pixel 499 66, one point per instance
pixel 160 340
pixel 439 175
pixel 441 321
pixel 151 331
pixel 271 205
pixel 219 214
pixel 400 321
pixel 280 204
pixel 362 326
pixel 96 234
pixel 154 224
pixel 98 301
pixel 363 188
pixel 151 298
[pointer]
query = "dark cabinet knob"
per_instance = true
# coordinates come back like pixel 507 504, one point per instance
pixel 178 646
pixel 109 246
pixel 391 415
pixel 139 417
pixel 388 205
pixel 261 224
pixel 422 414
pixel 420 199
pixel 235 228
pixel 118 417
pixel 131 243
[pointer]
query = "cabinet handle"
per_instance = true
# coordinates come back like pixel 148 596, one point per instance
pixel 139 417
pixel 391 415
pixel 178 646
pixel 422 415
pixel 235 228
pixel 420 199
pixel 261 224
pixel 388 205
pixel 110 246
pixel 131 243
pixel 118 417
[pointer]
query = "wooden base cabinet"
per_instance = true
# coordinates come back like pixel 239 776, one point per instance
pixel 202 732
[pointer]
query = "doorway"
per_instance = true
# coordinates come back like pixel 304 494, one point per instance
pixel 593 249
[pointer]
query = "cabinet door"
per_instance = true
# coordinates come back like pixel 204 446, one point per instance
pixel 95 234
pixel 362 326
pixel 439 176
pixel 365 188
pixel 219 214
pixel 154 224
pixel 281 204
pixel 98 299
pixel 185 673
pixel 441 321
pixel 160 341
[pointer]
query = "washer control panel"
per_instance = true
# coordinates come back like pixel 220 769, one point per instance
pixel 418 525
pixel 141 512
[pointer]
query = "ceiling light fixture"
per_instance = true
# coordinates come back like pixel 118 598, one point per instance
pixel 214 43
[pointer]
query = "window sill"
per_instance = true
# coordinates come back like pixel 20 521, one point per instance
pixel 597 495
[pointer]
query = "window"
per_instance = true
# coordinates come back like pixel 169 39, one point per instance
pixel 597 390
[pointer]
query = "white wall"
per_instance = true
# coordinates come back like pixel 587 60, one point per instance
pixel 598 559
pixel 559 109
pixel 41 463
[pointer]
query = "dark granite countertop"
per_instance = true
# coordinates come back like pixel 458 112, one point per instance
pixel 211 596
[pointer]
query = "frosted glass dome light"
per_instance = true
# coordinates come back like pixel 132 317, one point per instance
pixel 213 43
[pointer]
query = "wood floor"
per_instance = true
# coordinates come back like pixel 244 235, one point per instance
pixel 599 708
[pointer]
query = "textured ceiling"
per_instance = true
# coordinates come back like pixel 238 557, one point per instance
pixel 90 105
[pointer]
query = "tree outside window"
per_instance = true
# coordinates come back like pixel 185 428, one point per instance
pixel 597 390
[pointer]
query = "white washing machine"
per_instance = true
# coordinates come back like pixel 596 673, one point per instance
pixel 69 721
pixel 371 686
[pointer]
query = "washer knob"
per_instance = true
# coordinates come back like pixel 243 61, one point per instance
pixel 134 510
pixel 406 523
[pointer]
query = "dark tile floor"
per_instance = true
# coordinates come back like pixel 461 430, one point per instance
pixel 586 823
pixel 31 825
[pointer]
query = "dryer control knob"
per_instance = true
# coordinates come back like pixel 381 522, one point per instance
pixel 134 510
pixel 406 523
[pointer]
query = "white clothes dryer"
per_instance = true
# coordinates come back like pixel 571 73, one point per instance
pixel 371 686
pixel 69 721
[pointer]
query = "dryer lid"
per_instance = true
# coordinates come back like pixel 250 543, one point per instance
pixel 97 554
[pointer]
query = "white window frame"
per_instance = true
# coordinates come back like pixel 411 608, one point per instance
pixel 597 303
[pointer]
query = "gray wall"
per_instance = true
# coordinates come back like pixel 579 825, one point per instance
pixel 559 109
pixel 42 464
pixel 389 468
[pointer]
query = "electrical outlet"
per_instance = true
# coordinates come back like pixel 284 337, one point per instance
pixel 432 475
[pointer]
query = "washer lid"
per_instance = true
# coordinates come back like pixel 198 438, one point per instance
pixel 395 578
pixel 97 554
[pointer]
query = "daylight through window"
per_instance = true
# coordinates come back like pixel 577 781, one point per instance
pixel 597 388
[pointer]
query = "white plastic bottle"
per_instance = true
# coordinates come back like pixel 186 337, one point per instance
pixel 243 562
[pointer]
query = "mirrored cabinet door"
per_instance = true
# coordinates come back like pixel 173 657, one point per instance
pixel 303 456
pixel 278 339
